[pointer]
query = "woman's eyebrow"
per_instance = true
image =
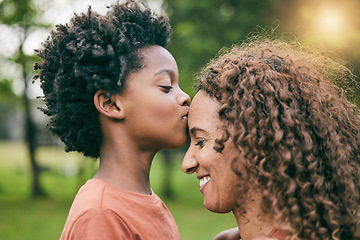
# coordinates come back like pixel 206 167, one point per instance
pixel 194 130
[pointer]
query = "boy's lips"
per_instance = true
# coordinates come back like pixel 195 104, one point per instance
pixel 185 116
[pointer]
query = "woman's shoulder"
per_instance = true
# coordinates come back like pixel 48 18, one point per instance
pixel 278 234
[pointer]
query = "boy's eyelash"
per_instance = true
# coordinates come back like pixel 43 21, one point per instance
pixel 167 88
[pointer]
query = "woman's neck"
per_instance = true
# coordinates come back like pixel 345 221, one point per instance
pixel 250 227
pixel 254 222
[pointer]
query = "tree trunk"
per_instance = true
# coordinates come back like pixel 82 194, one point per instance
pixel 30 139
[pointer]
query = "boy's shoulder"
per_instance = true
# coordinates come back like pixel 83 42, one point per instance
pixel 89 196
pixel 89 217
pixel 97 194
pixel 136 213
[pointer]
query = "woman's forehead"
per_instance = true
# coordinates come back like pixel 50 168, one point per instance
pixel 204 111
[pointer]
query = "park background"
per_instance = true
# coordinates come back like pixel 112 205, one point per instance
pixel 38 180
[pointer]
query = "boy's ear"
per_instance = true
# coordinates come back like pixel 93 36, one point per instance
pixel 108 105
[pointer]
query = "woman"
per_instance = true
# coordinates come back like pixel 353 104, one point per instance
pixel 274 141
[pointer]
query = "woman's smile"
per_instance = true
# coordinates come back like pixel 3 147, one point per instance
pixel 204 180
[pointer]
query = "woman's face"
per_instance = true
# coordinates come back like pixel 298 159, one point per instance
pixel 213 169
pixel 155 107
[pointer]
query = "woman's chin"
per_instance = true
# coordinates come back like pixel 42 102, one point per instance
pixel 217 209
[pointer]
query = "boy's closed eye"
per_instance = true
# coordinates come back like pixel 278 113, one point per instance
pixel 166 88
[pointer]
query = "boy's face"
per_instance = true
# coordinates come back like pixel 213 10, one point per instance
pixel 155 106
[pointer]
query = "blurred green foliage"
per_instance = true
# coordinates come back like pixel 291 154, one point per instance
pixel 22 18
pixel 201 28
pixel 9 102
pixel 25 218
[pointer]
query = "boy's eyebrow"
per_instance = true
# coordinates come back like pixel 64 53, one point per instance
pixel 168 71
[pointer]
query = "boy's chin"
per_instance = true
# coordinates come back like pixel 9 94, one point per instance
pixel 179 144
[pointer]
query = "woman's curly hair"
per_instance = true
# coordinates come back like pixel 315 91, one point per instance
pixel 93 52
pixel 298 137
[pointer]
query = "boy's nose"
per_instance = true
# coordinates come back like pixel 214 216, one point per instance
pixel 189 164
pixel 183 99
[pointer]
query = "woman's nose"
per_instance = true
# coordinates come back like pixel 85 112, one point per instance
pixel 183 99
pixel 189 164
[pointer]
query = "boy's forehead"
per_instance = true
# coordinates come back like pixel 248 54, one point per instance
pixel 159 60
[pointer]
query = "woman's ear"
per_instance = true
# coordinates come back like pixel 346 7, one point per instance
pixel 108 105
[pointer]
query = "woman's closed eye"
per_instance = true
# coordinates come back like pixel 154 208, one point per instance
pixel 200 143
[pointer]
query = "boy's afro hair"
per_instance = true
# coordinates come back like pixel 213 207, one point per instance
pixel 90 53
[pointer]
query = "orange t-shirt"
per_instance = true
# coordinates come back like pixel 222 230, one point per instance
pixel 103 211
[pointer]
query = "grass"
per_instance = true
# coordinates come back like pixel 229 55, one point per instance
pixel 27 218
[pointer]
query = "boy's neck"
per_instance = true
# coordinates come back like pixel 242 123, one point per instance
pixel 126 168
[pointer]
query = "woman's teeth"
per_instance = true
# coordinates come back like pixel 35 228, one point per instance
pixel 204 180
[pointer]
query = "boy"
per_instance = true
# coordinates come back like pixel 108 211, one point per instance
pixel 111 92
